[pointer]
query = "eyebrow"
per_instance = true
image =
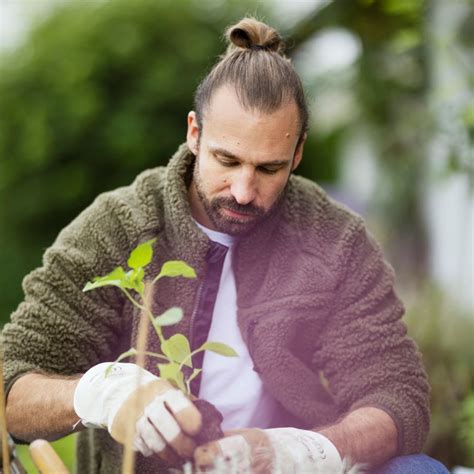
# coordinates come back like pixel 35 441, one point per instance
pixel 229 154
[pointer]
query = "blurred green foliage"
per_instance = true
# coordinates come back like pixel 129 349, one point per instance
pixel 466 432
pixel 444 335
pixel 65 447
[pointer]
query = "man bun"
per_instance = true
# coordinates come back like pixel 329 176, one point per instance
pixel 255 66
pixel 252 34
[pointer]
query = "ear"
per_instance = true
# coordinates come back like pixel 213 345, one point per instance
pixel 298 153
pixel 192 135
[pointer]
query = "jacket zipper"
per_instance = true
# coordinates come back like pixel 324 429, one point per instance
pixel 250 331
pixel 193 315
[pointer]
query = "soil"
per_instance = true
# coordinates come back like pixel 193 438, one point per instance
pixel 211 422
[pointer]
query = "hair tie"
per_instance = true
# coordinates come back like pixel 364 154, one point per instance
pixel 257 47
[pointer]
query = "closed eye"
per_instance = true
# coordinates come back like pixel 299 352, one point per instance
pixel 228 163
pixel 266 170
pixel 224 161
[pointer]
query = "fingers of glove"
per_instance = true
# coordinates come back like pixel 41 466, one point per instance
pixel 262 450
pixel 164 422
pixel 233 452
pixel 132 409
pixel 206 456
pixel 150 437
pixel 140 446
pixel 150 442
pixel 184 411
pixel 240 449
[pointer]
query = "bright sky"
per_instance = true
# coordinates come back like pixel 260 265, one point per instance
pixel 331 49
pixel 15 15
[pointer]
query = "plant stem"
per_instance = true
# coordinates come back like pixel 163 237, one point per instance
pixel 181 365
pixel 188 357
pixel 156 278
pixel 145 309
pixel 129 454
pixel 132 299
pixel 156 355
pixel 151 317
pixel 157 328
pixel 133 352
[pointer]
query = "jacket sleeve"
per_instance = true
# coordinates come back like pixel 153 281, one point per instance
pixel 368 358
pixel 58 328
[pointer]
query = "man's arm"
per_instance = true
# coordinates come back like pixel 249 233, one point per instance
pixel 44 406
pixel 367 435
pixel 41 406
pixel 58 329
pixel 365 354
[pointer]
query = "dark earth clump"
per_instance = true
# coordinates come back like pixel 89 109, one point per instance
pixel 211 422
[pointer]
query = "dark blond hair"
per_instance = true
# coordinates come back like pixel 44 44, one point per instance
pixel 255 65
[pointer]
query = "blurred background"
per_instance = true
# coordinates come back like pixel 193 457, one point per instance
pixel 94 91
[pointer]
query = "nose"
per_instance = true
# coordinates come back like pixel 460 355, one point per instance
pixel 244 187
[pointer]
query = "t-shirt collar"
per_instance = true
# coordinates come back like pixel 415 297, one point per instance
pixel 224 239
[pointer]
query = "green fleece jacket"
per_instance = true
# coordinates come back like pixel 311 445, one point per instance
pixel 315 302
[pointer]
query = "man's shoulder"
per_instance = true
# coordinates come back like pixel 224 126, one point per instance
pixel 321 228
pixel 145 189
pixel 148 190
pixel 125 211
pixel 316 214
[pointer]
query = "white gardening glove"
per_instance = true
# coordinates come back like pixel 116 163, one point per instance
pixel 272 451
pixel 165 415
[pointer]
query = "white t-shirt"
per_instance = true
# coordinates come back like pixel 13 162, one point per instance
pixel 230 383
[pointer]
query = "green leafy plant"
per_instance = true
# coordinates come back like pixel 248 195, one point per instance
pixel 466 431
pixel 176 351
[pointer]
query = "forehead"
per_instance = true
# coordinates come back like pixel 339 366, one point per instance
pixel 249 132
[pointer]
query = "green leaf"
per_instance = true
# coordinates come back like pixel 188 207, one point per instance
pixel 171 316
pixel 136 274
pixel 135 279
pixel 172 373
pixel 175 268
pixel 219 348
pixel 117 277
pixel 141 256
pixel 177 349
pixel 124 355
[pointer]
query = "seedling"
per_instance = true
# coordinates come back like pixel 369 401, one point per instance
pixel 176 351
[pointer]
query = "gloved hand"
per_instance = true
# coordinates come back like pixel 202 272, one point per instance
pixel 165 415
pixel 275 451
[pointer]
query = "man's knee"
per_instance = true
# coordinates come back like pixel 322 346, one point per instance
pixel 413 464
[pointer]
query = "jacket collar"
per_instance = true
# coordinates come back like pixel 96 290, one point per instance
pixel 189 242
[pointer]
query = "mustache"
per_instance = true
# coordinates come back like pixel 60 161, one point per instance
pixel 230 203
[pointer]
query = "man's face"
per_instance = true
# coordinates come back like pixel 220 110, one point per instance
pixel 244 160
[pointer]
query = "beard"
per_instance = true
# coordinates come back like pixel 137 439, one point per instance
pixel 254 215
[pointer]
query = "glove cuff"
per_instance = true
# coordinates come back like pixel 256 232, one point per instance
pixel 99 395
pixel 304 451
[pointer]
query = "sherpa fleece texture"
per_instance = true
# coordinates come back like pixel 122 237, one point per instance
pixel 315 302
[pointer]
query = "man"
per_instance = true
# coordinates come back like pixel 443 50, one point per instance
pixel 287 277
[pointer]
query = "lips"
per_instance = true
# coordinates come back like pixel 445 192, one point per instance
pixel 237 214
